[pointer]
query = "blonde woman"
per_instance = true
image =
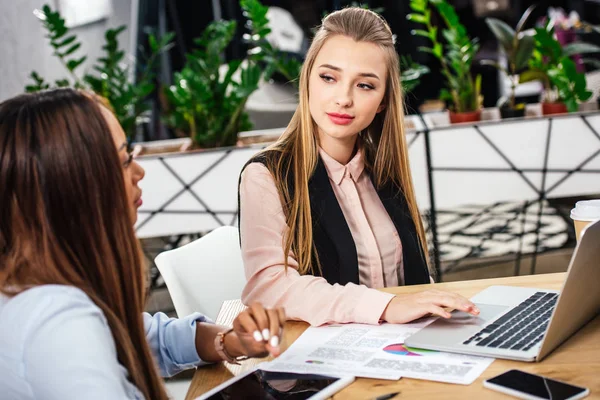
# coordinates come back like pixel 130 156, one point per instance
pixel 328 213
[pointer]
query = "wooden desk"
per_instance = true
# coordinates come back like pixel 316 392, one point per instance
pixel 576 361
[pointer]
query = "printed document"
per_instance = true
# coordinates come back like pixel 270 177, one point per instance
pixel 375 351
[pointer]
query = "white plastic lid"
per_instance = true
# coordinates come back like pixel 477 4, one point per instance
pixel 586 210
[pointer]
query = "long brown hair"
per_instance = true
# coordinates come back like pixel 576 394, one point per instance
pixel 384 143
pixel 64 217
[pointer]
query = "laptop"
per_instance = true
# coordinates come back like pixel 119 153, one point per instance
pixel 523 324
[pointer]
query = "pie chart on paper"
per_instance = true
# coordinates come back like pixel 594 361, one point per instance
pixel 400 350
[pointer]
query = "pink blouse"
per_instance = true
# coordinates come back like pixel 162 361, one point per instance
pixel 306 297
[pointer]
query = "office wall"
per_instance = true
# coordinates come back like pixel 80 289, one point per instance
pixel 24 48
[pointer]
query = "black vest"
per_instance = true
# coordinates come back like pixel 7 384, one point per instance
pixel 332 237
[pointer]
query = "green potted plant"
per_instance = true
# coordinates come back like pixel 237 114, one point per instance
pixel 411 73
pixel 462 92
pixel 261 50
pixel 111 77
pixel 205 102
pixel 518 47
pixel 564 87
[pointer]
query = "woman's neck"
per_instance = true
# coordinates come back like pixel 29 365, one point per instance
pixel 341 150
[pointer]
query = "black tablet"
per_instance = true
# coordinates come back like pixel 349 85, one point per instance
pixel 266 385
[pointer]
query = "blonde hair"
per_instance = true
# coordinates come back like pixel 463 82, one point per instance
pixel 383 141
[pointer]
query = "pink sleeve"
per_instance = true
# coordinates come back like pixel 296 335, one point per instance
pixel 304 297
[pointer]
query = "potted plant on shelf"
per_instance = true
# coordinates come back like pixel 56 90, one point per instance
pixel 518 47
pixel 462 92
pixel 273 59
pixel 205 102
pixel 111 80
pixel 564 87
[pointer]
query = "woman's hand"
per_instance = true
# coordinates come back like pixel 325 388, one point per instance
pixel 407 308
pixel 257 332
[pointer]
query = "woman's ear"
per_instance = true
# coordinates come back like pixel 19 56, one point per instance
pixel 381 107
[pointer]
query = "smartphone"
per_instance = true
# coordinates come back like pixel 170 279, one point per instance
pixel 529 386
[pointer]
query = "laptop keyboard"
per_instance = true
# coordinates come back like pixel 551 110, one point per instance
pixel 521 328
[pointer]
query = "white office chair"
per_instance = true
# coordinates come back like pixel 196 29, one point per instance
pixel 203 274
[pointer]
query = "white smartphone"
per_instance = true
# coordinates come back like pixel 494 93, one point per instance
pixel 535 387
pixel 258 384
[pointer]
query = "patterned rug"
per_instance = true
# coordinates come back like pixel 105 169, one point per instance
pixel 496 230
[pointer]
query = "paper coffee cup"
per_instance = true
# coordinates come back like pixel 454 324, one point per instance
pixel 584 213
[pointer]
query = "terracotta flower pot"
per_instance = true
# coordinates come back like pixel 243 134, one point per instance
pixel 554 108
pixel 461 117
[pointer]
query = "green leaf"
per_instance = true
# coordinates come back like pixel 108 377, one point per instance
pixel 531 75
pixel 425 49
pixel 585 96
pixel 62 83
pixel 67 41
pixel 73 64
pixel 437 50
pixel 504 33
pixel 71 50
pixel 524 52
pixel 591 61
pixel 446 95
pixel 449 15
pixel 411 72
pixel 420 18
pixel 46 10
pixel 420 32
pixel 477 93
pixel 117 31
pixel 433 31
pixel 418 5
pixel 59 31
pixel 547 45
pixel 152 42
pixel 580 48
pixel 569 67
pixel 524 18
pixel 571 103
pixel 144 90
pixel 40 84
pixel 231 68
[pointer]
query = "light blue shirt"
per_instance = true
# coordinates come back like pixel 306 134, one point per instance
pixel 55 343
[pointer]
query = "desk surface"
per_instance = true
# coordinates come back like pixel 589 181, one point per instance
pixel 576 361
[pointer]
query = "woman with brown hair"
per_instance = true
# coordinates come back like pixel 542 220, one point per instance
pixel 72 280
pixel 328 213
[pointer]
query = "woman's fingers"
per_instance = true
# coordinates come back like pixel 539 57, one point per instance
pixel 263 323
pixel 282 319
pixel 262 320
pixel 274 328
pixel 246 322
pixel 452 300
pixel 260 329
pixel 436 310
pixel 277 319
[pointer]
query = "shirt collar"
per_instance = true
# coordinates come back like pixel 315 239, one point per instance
pixel 337 171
